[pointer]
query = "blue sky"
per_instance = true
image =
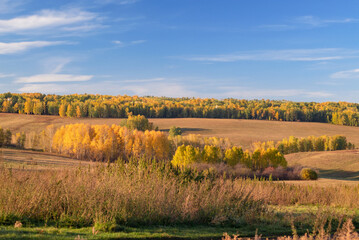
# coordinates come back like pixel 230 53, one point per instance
pixel 296 50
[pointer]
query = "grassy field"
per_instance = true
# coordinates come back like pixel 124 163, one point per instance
pixel 240 132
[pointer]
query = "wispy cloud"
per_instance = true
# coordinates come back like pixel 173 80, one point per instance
pixel 276 27
pixel 146 89
pixel 350 74
pixel 46 78
pixel 125 44
pixel 16 47
pixel 143 80
pixel 318 22
pixel 173 89
pixel 321 54
pixel 120 2
pixel 9 6
pixel 2 75
pixel 305 22
pixel 47 19
pixel 43 88
pixel 60 63
pixel 159 89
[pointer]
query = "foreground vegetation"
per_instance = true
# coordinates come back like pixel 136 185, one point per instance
pixel 104 106
pixel 123 194
pixel 126 199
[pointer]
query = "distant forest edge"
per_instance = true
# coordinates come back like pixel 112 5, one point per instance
pixel 105 106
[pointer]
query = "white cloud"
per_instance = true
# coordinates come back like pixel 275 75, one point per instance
pixel 118 42
pixel 15 47
pixel 350 74
pixel 45 78
pixel 45 19
pixel 321 54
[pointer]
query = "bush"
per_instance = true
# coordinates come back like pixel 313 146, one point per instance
pixel 175 131
pixel 308 174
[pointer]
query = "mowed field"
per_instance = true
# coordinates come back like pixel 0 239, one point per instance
pixel 334 167
pixel 240 132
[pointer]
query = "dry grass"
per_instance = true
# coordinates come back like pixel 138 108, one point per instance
pixel 121 194
pixel 127 194
pixel 240 132
pixel 283 194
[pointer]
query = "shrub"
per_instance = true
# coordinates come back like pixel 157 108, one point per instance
pixel 175 131
pixel 308 174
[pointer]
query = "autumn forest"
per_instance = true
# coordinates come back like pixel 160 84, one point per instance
pixel 105 106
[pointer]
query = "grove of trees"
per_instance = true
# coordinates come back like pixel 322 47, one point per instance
pixel 109 143
pixel 308 144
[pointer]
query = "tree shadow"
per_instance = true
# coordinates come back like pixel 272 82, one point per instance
pixel 187 130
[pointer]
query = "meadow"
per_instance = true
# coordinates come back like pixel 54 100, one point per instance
pixel 56 196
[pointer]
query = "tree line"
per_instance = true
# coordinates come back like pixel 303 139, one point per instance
pixel 105 106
